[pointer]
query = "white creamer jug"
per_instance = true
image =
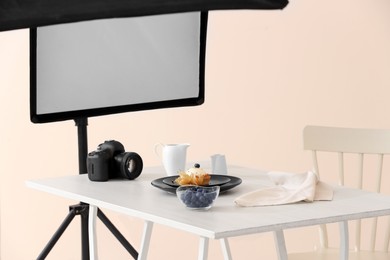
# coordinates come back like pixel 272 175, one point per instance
pixel 173 157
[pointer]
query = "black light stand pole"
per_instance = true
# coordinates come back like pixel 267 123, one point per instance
pixel 81 124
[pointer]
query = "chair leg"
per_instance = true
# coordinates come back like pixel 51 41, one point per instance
pixel 280 245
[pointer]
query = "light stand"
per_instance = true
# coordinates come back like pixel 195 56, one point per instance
pixel 82 209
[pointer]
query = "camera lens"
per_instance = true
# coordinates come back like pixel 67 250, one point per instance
pixel 130 165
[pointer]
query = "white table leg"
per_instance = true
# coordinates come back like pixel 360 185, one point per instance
pixel 280 245
pixel 143 253
pixel 344 240
pixel 203 248
pixel 92 232
pixel 225 249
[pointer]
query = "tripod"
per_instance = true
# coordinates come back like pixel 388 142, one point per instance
pixel 82 209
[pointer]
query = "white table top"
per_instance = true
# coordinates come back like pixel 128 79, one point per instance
pixel 139 198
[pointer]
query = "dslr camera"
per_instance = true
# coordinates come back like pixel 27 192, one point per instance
pixel 110 161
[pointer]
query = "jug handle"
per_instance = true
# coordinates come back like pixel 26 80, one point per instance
pixel 158 149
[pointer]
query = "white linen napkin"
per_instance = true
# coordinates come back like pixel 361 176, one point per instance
pixel 289 188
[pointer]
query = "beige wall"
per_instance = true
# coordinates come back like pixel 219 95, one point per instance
pixel 269 73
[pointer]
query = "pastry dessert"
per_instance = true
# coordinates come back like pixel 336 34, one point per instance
pixel 194 176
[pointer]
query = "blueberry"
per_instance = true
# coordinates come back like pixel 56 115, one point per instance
pixel 197 165
pixel 187 195
pixel 211 196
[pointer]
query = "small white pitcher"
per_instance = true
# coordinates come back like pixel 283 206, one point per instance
pixel 173 157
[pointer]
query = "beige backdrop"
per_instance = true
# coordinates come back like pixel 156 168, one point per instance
pixel 269 73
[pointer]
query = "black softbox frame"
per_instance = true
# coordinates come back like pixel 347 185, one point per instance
pixel 18 14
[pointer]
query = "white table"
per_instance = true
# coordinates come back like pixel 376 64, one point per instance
pixel 138 198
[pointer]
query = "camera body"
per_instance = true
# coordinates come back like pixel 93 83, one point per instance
pixel 110 161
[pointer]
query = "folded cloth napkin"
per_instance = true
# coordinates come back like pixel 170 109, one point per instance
pixel 289 188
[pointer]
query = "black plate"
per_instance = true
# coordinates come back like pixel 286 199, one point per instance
pixel 215 180
pixel 234 181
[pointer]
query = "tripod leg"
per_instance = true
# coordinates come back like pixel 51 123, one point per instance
pixel 57 234
pixel 117 234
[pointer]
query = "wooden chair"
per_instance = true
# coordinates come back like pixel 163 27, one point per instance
pixel 346 142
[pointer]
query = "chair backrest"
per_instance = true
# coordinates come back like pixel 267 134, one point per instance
pixel 354 141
